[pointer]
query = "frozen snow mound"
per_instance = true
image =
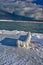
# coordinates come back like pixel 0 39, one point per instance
pixel 11 34
pixel 24 39
pixel 25 43
pixel 33 40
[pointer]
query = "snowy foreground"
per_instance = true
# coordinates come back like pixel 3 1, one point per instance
pixel 21 56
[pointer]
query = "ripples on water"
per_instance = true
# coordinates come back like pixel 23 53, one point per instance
pixel 23 26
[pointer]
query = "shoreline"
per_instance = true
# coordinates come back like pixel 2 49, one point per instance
pixel 36 21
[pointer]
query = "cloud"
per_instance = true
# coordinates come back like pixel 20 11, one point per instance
pixel 24 8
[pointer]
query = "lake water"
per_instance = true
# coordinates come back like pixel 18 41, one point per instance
pixel 22 26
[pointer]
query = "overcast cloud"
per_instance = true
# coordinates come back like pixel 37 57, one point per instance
pixel 24 8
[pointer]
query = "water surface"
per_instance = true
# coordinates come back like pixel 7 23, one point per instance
pixel 23 26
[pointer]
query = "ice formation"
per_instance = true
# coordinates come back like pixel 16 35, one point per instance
pixel 26 43
pixel 31 37
pixel 21 56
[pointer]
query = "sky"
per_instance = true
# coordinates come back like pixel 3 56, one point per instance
pixel 39 2
pixel 28 8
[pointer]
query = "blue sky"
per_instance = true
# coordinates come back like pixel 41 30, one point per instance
pixel 39 2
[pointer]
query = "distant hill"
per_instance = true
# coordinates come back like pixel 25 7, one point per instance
pixel 12 16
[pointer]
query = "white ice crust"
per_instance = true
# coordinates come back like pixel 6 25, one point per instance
pixel 16 34
pixel 20 56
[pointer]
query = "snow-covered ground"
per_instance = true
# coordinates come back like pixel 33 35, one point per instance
pixel 21 56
